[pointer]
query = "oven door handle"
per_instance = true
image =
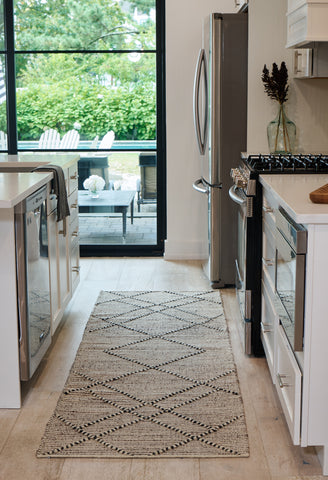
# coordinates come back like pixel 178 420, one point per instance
pixel 235 197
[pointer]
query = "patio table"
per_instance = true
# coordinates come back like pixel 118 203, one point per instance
pixel 108 201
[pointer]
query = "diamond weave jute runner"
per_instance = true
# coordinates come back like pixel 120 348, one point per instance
pixel 154 376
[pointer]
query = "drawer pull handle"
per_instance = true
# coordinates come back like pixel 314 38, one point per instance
pixel 74 177
pixel 268 262
pixel 268 329
pixel 61 232
pixel 267 209
pixel 75 234
pixel 76 269
pixel 281 382
pixel 74 205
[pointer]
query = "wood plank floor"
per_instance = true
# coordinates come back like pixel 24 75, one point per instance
pixel 272 455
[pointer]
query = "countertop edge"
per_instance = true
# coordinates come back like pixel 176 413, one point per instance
pixel 25 186
pixel 319 213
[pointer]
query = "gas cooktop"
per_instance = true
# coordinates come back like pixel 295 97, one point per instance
pixel 288 163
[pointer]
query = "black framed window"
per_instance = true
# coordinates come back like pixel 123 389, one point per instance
pixel 91 67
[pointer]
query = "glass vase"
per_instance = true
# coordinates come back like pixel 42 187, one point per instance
pixel 281 133
pixel 94 193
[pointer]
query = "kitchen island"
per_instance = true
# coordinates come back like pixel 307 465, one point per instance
pixel 14 187
pixel 63 251
pixel 301 378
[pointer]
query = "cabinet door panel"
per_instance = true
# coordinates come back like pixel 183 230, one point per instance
pixel 54 284
pixel 62 264
pixel 268 329
pixel 288 385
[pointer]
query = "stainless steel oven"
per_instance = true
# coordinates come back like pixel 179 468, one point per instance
pixel 291 246
pixel 247 187
pixel 245 192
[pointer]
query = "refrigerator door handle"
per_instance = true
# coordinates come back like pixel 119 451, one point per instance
pixel 201 136
pixel 203 189
pixel 235 197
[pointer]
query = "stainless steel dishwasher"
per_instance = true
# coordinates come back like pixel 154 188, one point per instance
pixel 33 286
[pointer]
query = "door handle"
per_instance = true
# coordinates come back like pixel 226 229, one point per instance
pixel 203 189
pixel 235 197
pixel 200 136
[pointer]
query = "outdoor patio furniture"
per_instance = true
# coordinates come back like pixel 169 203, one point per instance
pixel 49 139
pixel 3 140
pixel 70 140
pixel 109 201
pixel 93 166
pixel 107 142
pixel 147 185
pixel 94 142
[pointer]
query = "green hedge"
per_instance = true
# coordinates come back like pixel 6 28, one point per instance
pixel 128 110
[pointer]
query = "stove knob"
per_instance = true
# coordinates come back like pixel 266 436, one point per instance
pixel 234 172
pixel 242 182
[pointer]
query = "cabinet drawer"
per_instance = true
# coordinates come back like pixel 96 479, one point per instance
pixel 72 179
pixel 269 253
pixel 75 264
pixel 268 328
pixel 74 229
pixel 288 385
pixel 73 206
pixel 268 210
pixel 294 4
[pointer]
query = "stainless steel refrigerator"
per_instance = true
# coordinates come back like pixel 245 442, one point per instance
pixel 220 117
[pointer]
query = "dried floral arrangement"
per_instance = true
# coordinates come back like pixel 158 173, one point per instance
pixel 281 131
pixel 276 83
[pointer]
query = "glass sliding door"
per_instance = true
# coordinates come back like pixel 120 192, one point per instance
pixel 91 73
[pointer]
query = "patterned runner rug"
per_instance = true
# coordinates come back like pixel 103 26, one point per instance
pixel 154 376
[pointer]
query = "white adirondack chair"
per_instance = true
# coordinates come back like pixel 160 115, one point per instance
pixel 3 140
pixel 94 142
pixel 107 142
pixel 49 139
pixel 70 140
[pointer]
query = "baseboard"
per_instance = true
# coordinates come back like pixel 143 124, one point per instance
pixel 185 250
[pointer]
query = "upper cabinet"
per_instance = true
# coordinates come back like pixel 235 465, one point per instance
pixel 307 22
pixel 241 5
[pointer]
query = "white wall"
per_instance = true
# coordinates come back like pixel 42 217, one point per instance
pixel 307 104
pixel 186 209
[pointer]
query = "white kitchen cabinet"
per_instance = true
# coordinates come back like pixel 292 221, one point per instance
pixel 300 378
pixel 288 384
pixel 64 271
pixel 241 5
pixel 269 317
pixel 73 233
pixel 268 328
pixel 14 188
pixel 284 370
pixel 306 22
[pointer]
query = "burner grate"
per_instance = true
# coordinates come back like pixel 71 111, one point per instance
pixel 288 163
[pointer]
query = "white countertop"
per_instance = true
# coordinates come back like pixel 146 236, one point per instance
pixel 34 159
pixel 292 193
pixel 14 187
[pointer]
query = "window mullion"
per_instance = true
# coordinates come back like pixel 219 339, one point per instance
pixel 10 77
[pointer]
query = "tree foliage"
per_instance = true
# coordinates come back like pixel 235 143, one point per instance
pixel 102 91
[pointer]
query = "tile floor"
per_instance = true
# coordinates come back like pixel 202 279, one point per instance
pixel 107 230
pixel 272 456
